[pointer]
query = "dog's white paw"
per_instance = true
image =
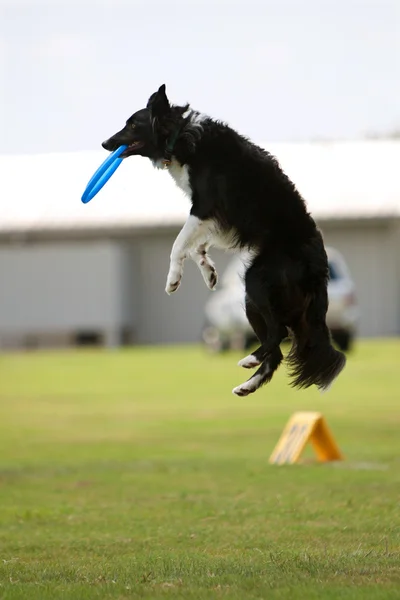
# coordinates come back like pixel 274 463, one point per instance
pixel 248 387
pixel 173 281
pixel 170 288
pixel 249 362
pixel 211 277
pixel 252 384
pixel 208 271
pixel 243 390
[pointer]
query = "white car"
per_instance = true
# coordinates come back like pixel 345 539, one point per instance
pixel 226 325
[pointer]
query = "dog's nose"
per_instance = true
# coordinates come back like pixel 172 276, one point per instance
pixel 106 145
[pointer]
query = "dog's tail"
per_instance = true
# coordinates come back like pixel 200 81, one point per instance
pixel 312 358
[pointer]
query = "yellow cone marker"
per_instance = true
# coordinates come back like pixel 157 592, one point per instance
pixel 304 427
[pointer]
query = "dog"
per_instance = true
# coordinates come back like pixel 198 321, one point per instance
pixel 241 199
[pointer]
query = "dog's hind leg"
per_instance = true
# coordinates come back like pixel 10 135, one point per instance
pixel 270 355
pixel 262 375
pixel 260 328
pixel 264 318
pixel 206 265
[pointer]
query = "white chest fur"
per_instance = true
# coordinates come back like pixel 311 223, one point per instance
pixel 180 174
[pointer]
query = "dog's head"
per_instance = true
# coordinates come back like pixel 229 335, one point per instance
pixel 148 131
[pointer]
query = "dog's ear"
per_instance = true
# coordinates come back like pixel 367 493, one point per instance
pixel 158 102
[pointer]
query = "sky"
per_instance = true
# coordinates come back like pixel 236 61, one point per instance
pixel 72 72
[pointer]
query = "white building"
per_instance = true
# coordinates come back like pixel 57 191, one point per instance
pixel 71 272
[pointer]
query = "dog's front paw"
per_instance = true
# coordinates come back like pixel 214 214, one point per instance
pixel 173 282
pixel 209 273
pixel 172 287
pixel 213 279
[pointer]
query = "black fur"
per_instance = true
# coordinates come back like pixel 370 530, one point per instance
pixel 242 188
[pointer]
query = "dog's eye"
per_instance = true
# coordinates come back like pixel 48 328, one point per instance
pixel 133 125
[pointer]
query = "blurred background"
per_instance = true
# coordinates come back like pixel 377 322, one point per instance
pixel 315 83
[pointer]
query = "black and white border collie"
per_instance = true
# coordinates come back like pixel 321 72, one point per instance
pixel 242 200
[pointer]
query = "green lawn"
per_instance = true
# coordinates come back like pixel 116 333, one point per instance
pixel 137 474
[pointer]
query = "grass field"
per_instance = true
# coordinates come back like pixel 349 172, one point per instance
pixel 137 474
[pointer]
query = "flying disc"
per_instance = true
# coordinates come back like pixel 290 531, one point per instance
pixel 103 174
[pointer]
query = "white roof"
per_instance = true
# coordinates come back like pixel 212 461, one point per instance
pixel 43 192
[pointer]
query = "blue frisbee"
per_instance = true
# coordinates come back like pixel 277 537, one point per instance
pixel 103 174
